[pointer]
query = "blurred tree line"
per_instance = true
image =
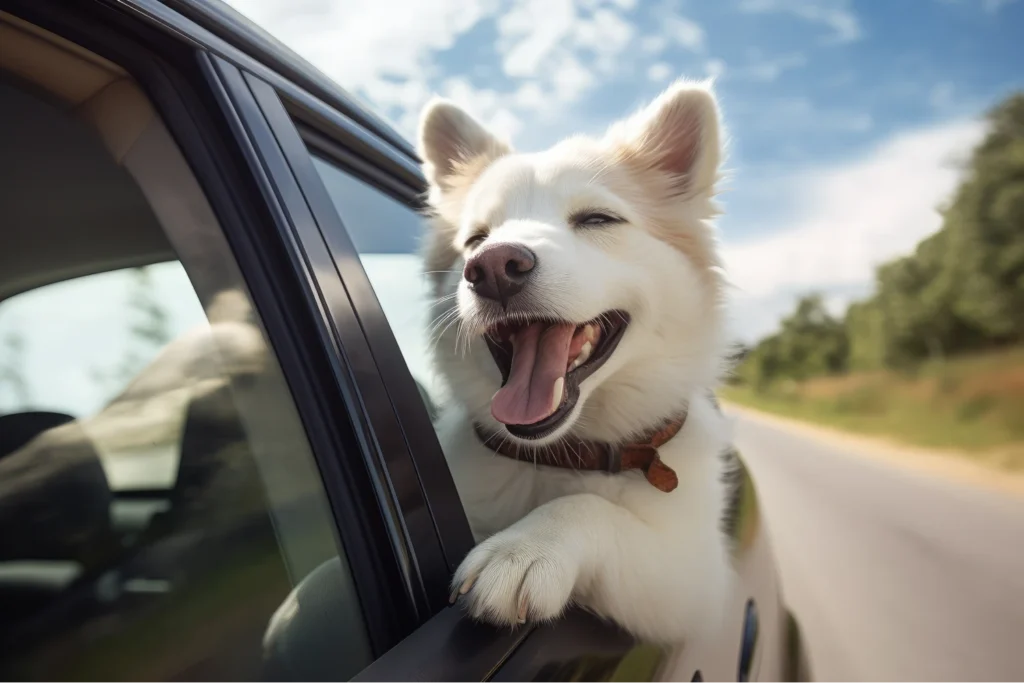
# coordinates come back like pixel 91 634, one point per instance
pixel 961 290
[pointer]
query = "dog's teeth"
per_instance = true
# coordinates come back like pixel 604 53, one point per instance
pixel 590 332
pixel 583 355
pixel 556 394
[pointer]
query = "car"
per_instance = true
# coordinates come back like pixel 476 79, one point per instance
pixel 217 458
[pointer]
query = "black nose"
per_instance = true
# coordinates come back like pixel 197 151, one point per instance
pixel 499 271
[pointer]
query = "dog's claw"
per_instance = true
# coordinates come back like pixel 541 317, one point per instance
pixel 461 590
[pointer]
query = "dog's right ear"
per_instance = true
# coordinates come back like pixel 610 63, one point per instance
pixel 455 150
pixel 453 144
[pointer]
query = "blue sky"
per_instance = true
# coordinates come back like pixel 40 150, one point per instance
pixel 846 119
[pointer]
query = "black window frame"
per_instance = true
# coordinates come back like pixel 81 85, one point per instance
pixel 306 132
pixel 383 441
pixel 180 67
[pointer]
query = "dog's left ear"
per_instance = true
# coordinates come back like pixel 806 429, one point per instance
pixel 677 135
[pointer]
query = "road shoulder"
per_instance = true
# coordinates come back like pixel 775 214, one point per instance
pixel 944 464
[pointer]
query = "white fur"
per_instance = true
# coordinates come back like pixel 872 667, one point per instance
pixel 657 563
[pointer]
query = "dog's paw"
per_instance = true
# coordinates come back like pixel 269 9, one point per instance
pixel 515 577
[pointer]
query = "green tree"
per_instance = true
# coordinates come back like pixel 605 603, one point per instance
pixel 763 364
pixel 963 287
pixel 811 342
pixel 149 330
pixel 984 261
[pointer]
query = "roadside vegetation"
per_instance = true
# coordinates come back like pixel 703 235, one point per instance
pixel 935 356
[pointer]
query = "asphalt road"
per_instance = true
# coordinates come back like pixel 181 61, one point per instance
pixel 893 573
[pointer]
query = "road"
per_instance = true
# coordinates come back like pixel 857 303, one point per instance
pixel 893 573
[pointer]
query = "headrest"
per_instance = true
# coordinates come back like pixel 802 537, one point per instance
pixel 17 429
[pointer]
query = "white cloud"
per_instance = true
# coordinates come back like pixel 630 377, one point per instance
pixel 384 51
pixel 561 46
pixel 553 52
pixel 531 31
pixel 768 69
pixel 833 14
pixel 605 32
pixel 570 79
pixel 358 43
pixel 659 71
pixel 653 44
pixel 844 220
pixel 484 104
pixel 715 68
pixel 530 96
pixel 685 32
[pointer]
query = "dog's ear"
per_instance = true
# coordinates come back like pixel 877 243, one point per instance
pixel 677 135
pixel 453 144
pixel 455 150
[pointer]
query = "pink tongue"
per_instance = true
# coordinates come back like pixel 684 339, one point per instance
pixel 540 354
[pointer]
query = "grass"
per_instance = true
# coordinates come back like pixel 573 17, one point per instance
pixel 972 404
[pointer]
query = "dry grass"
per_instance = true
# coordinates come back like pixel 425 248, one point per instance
pixel 972 404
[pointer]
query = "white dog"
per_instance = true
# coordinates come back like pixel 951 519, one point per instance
pixel 579 298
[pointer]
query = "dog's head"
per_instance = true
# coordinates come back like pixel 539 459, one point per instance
pixel 577 289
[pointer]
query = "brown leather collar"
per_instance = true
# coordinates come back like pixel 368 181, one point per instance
pixel 598 456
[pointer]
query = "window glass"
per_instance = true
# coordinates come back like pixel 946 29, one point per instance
pixel 161 513
pixel 114 324
pixel 387 235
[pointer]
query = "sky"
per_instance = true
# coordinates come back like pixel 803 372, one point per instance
pixel 846 120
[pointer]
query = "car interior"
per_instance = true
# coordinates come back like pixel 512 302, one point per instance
pixel 68 211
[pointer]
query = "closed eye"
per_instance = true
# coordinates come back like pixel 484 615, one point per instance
pixel 591 218
pixel 475 240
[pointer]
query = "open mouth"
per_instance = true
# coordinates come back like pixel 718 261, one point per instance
pixel 542 364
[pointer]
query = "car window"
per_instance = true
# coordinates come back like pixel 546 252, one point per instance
pixel 95 350
pixel 387 235
pixel 161 512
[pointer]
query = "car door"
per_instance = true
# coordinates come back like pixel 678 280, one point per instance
pixel 183 464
